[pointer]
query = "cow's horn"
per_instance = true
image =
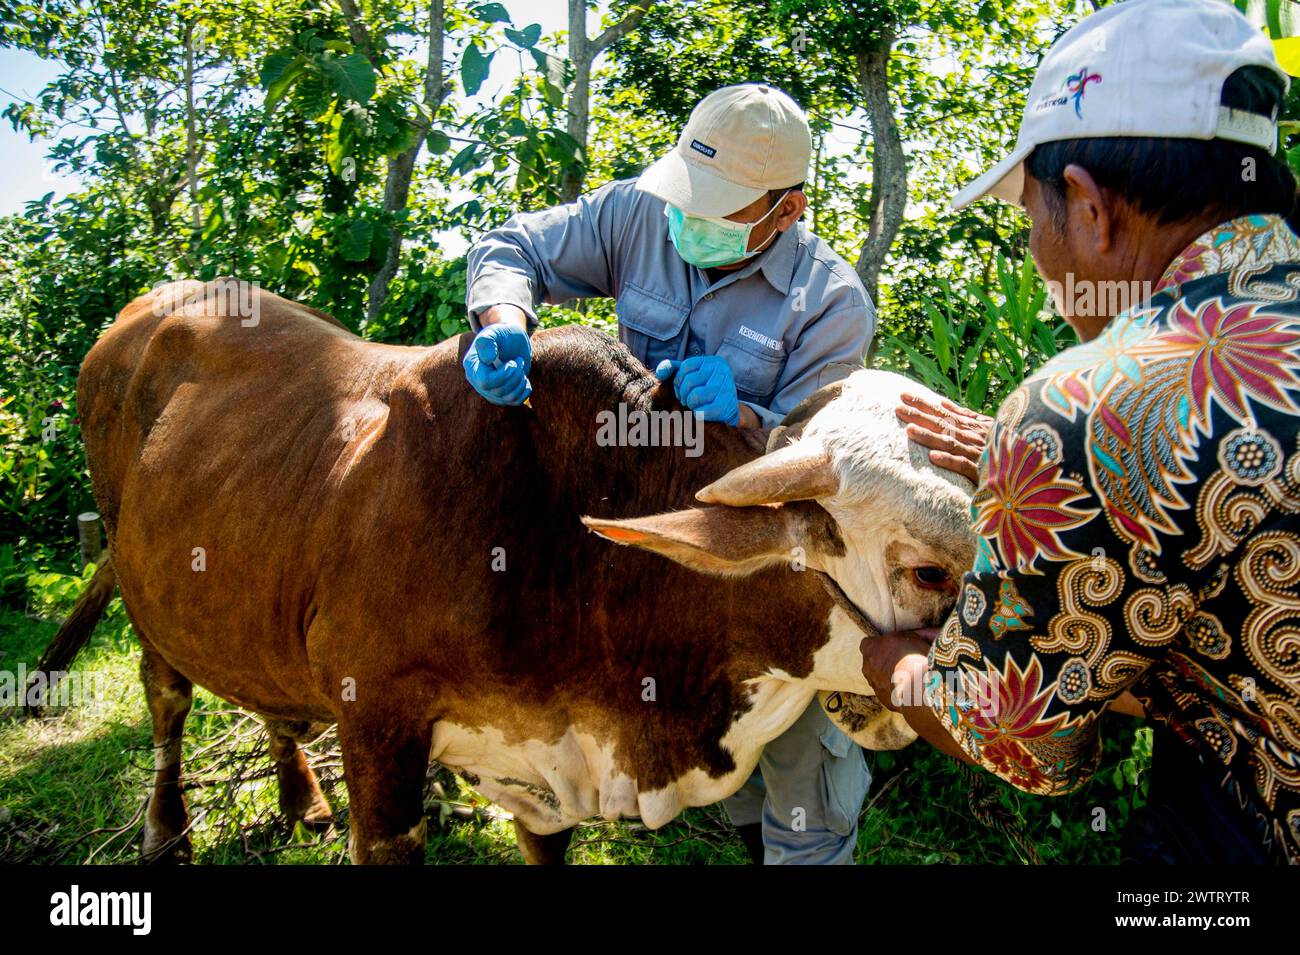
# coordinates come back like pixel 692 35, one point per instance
pixel 796 472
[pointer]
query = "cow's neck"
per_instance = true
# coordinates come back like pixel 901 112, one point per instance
pixel 585 392
pixel 783 614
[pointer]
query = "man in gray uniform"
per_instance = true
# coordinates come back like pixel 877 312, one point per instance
pixel 719 287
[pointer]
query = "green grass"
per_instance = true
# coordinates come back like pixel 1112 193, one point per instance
pixel 73 786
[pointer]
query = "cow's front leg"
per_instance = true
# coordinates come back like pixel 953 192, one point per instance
pixel 384 762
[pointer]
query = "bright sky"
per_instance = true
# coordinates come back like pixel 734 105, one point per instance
pixel 27 176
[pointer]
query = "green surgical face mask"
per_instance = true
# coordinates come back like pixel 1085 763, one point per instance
pixel 707 243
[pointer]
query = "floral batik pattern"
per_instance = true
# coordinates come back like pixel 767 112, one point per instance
pixel 1139 529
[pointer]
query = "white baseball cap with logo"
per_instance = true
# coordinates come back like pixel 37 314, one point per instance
pixel 740 142
pixel 1151 68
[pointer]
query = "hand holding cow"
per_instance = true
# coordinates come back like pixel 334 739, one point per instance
pixel 498 361
pixel 955 435
pixel 705 384
pixel 895 666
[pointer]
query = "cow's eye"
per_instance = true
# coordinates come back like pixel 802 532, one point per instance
pixel 930 578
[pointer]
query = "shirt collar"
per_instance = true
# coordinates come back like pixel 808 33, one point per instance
pixel 1254 241
pixel 778 261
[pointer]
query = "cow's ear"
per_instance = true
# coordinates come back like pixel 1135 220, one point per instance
pixel 718 540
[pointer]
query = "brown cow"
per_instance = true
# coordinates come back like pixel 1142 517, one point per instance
pixel 326 530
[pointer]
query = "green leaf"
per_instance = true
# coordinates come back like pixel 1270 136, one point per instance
pixel 276 256
pixel 939 329
pixel 351 77
pixel 1045 340
pixel 355 243
pixel 274 66
pixel 564 147
pixel 554 78
pixel 1028 285
pixel 438 142
pixel 467 211
pixel 407 137
pixel 978 391
pixel 526 37
pixel 464 160
pixel 278 75
pixel 973 354
pixel 553 94
pixel 340 139
pixel 931 376
pixel 493 13
pixel 215 221
pixel 474 68
pixel 1273 13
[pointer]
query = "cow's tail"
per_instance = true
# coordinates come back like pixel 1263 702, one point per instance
pixel 80 624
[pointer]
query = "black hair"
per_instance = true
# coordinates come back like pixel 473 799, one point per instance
pixel 1177 180
pixel 774 195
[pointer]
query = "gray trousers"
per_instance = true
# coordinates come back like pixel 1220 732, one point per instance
pixel 807 791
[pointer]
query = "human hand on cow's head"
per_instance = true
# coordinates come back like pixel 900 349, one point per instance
pixel 705 384
pixel 956 435
pixel 891 660
pixel 497 364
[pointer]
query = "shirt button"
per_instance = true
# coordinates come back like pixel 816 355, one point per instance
pixel 696 351
pixel 708 296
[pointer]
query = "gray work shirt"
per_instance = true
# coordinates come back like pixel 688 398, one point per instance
pixel 794 318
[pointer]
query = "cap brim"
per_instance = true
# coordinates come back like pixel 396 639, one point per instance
pixel 1004 181
pixel 695 190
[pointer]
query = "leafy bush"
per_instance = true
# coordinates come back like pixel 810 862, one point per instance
pixel 426 303
pixel 975 348
pixel 42 478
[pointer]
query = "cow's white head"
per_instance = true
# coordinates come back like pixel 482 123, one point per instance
pixel 891 528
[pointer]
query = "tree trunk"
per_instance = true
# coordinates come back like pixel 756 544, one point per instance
pixel 582 54
pixel 357 31
pixel 191 132
pixel 401 168
pixel 889 165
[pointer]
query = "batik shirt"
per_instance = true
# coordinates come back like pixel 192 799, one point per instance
pixel 1139 528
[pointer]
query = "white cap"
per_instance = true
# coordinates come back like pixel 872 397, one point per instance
pixel 1142 68
pixel 740 142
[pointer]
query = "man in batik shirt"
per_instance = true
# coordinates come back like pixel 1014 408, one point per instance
pixel 1138 511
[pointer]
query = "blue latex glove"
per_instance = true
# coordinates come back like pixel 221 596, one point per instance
pixel 497 364
pixel 704 384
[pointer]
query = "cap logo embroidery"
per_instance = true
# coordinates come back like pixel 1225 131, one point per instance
pixel 699 147
pixel 1077 84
